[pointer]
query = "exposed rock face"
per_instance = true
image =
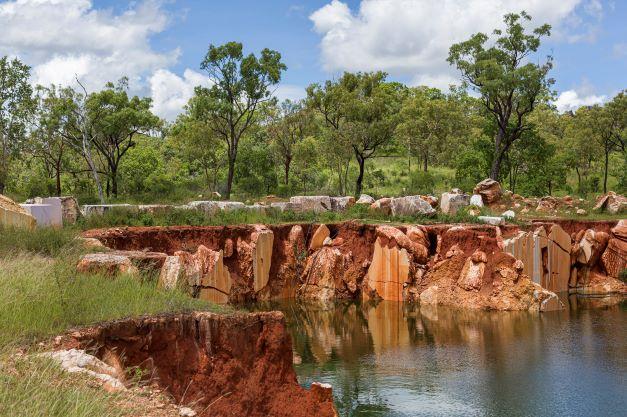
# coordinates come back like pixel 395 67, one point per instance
pixel 388 271
pixel 106 263
pixel 400 263
pixel 489 190
pixel 78 361
pixel 546 257
pixel 204 274
pixel 615 256
pixel 612 203
pixel 200 357
pixel 323 274
pixel 411 206
pixel 317 204
pixel 451 202
pixel 547 204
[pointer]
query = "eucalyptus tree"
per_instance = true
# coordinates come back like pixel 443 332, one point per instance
pixel 239 84
pixel 429 123
pixel 363 109
pixel 509 84
pixel 289 123
pixel 47 142
pixel 16 107
pixel 116 120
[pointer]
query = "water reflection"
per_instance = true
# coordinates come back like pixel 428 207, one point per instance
pixel 394 359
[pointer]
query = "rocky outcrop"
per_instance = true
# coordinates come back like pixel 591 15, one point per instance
pixel 612 203
pixel 217 365
pixel 342 203
pixel 365 199
pixel 489 190
pixel 323 274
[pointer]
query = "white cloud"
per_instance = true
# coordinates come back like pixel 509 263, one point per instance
pixel 64 38
pixel 170 92
pixel 290 92
pixel 412 37
pixel 571 100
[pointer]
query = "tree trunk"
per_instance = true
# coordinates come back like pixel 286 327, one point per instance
pixel 229 179
pixel 114 181
pixel 58 181
pixel 288 161
pixel 607 160
pixel 360 178
pixel 2 187
pixel 425 162
pixel 94 171
pixel 495 170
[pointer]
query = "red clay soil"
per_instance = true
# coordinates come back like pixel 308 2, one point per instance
pixel 235 365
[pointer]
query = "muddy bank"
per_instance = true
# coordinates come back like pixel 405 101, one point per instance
pixel 473 266
pixel 220 365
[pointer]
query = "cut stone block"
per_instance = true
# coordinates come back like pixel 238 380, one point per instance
pixel 46 215
pixel 388 271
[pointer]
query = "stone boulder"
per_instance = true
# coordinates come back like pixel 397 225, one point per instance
pixel 471 275
pixel 491 220
pixel 320 235
pixel 100 209
pixel 412 205
pixel 432 200
pixel 612 203
pixel 365 199
pixel 12 214
pixel 451 202
pixel 342 203
pixel 476 200
pixel 490 191
pixel 614 257
pixel 415 247
pixel 106 263
pixel 382 205
pixel 317 204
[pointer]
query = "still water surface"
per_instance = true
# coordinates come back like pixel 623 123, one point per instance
pixel 396 359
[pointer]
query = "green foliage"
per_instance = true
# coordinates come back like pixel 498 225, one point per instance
pixel 422 182
pixel 16 105
pixel 510 85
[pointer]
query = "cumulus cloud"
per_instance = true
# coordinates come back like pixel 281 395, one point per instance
pixel 64 38
pixel 170 92
pixel 571 100
pixel 412 37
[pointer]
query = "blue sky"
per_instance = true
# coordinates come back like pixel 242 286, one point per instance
pixel 159 44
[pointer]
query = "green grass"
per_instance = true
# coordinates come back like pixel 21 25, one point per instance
pixel 31 386
pixel 42 295
pixel 177 217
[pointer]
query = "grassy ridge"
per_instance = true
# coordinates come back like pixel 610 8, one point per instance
pixel 41 295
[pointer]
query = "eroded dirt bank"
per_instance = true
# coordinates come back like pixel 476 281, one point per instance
pixel 472 266
pixel 220 365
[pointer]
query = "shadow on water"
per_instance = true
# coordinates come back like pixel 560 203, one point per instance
pixel 395 359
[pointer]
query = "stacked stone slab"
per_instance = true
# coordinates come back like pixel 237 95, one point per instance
pixel 13 215
pixel 453 201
